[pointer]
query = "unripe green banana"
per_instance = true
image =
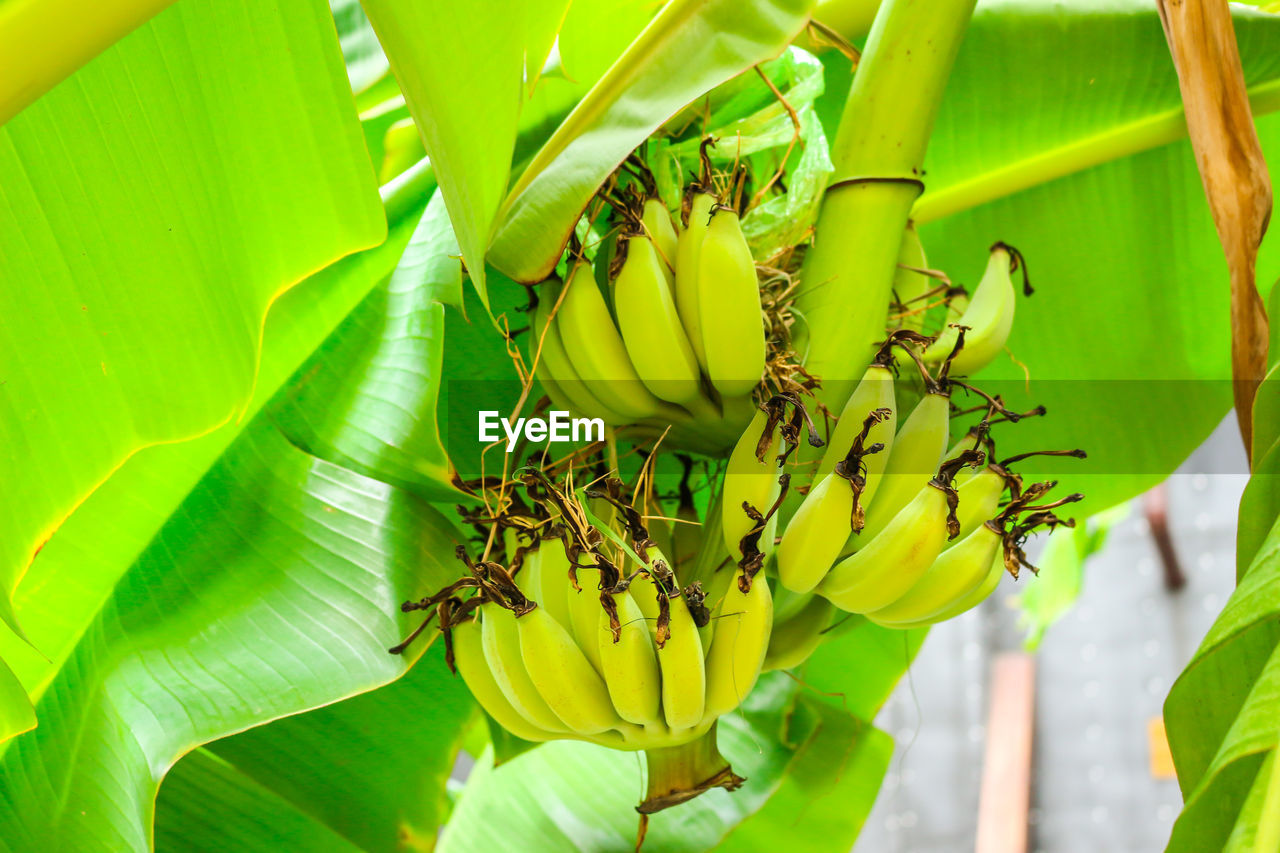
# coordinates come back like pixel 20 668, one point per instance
pixel 751 479
pixel 599 355
pixel 910 286
pixel 680 658
pixel 651 329
pixel 500 639
pixel 743 622
pixel 563 676
pixel 895 558
pixel 584 616
pixel 630 664
pixel 917 451
pixel 989 317
pixel 660 229
pixel 688 250
pixel 545 578
pixel 957 572
pixel 979 500
pixel 874 391
pixel 468 657
pixel 964 604
pixel 813 537
pixel 729 308
pixel 555 369
pixel 794 640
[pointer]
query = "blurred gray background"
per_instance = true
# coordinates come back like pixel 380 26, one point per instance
pixel 1102 674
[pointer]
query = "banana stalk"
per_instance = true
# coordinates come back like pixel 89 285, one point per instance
pixel 677 774
pixel 878 152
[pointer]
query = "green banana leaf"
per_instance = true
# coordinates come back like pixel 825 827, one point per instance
pixel 173 157
pixel 1053 117
pixel 461 67
pixel 571 795
pixel 1220 714
pixel 16 713
pixel 207 806
pixel 366 399
pixel 44 41
pixel 366 63
pixel 671 63
pixel 369 772
pixel 180 655
pixel 827 789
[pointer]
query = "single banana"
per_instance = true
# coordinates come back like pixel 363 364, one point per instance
pixel 468 657
pixel 989 316
pixel 743 624
pixel 874 391
pixel 555 369
pixel 660 229
pixel 598 352
pixel 970 600
pixel 910 286
pixel 750 478
pixel 563 676
pixel 680 657
pixel 896 557
pixel 729 307
pixel 813 537
pixel 584 615
pixel 979 497
pixel 917 450
pixel 500 639
pixel 548 577
pixel 794 640
pixel 957 572
pixel 630 664
pixel 686 534
pixel 651 328
pixel 688 251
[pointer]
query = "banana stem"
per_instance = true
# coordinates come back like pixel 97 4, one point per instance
pixel 677 774
pixel 878 152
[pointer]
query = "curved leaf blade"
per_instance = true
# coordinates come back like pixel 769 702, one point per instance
pixel 689 47
pixel 367 398
pixel 461 68
pixel 1220 713
pixel 182 655
pixel 134 318
pixel 371 770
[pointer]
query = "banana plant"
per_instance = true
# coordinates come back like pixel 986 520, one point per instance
pixel 261 268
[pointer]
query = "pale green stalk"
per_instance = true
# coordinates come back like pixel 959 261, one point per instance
pixel 878 151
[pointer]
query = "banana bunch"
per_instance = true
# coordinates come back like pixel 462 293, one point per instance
pixel 688 347
pixel 568 641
